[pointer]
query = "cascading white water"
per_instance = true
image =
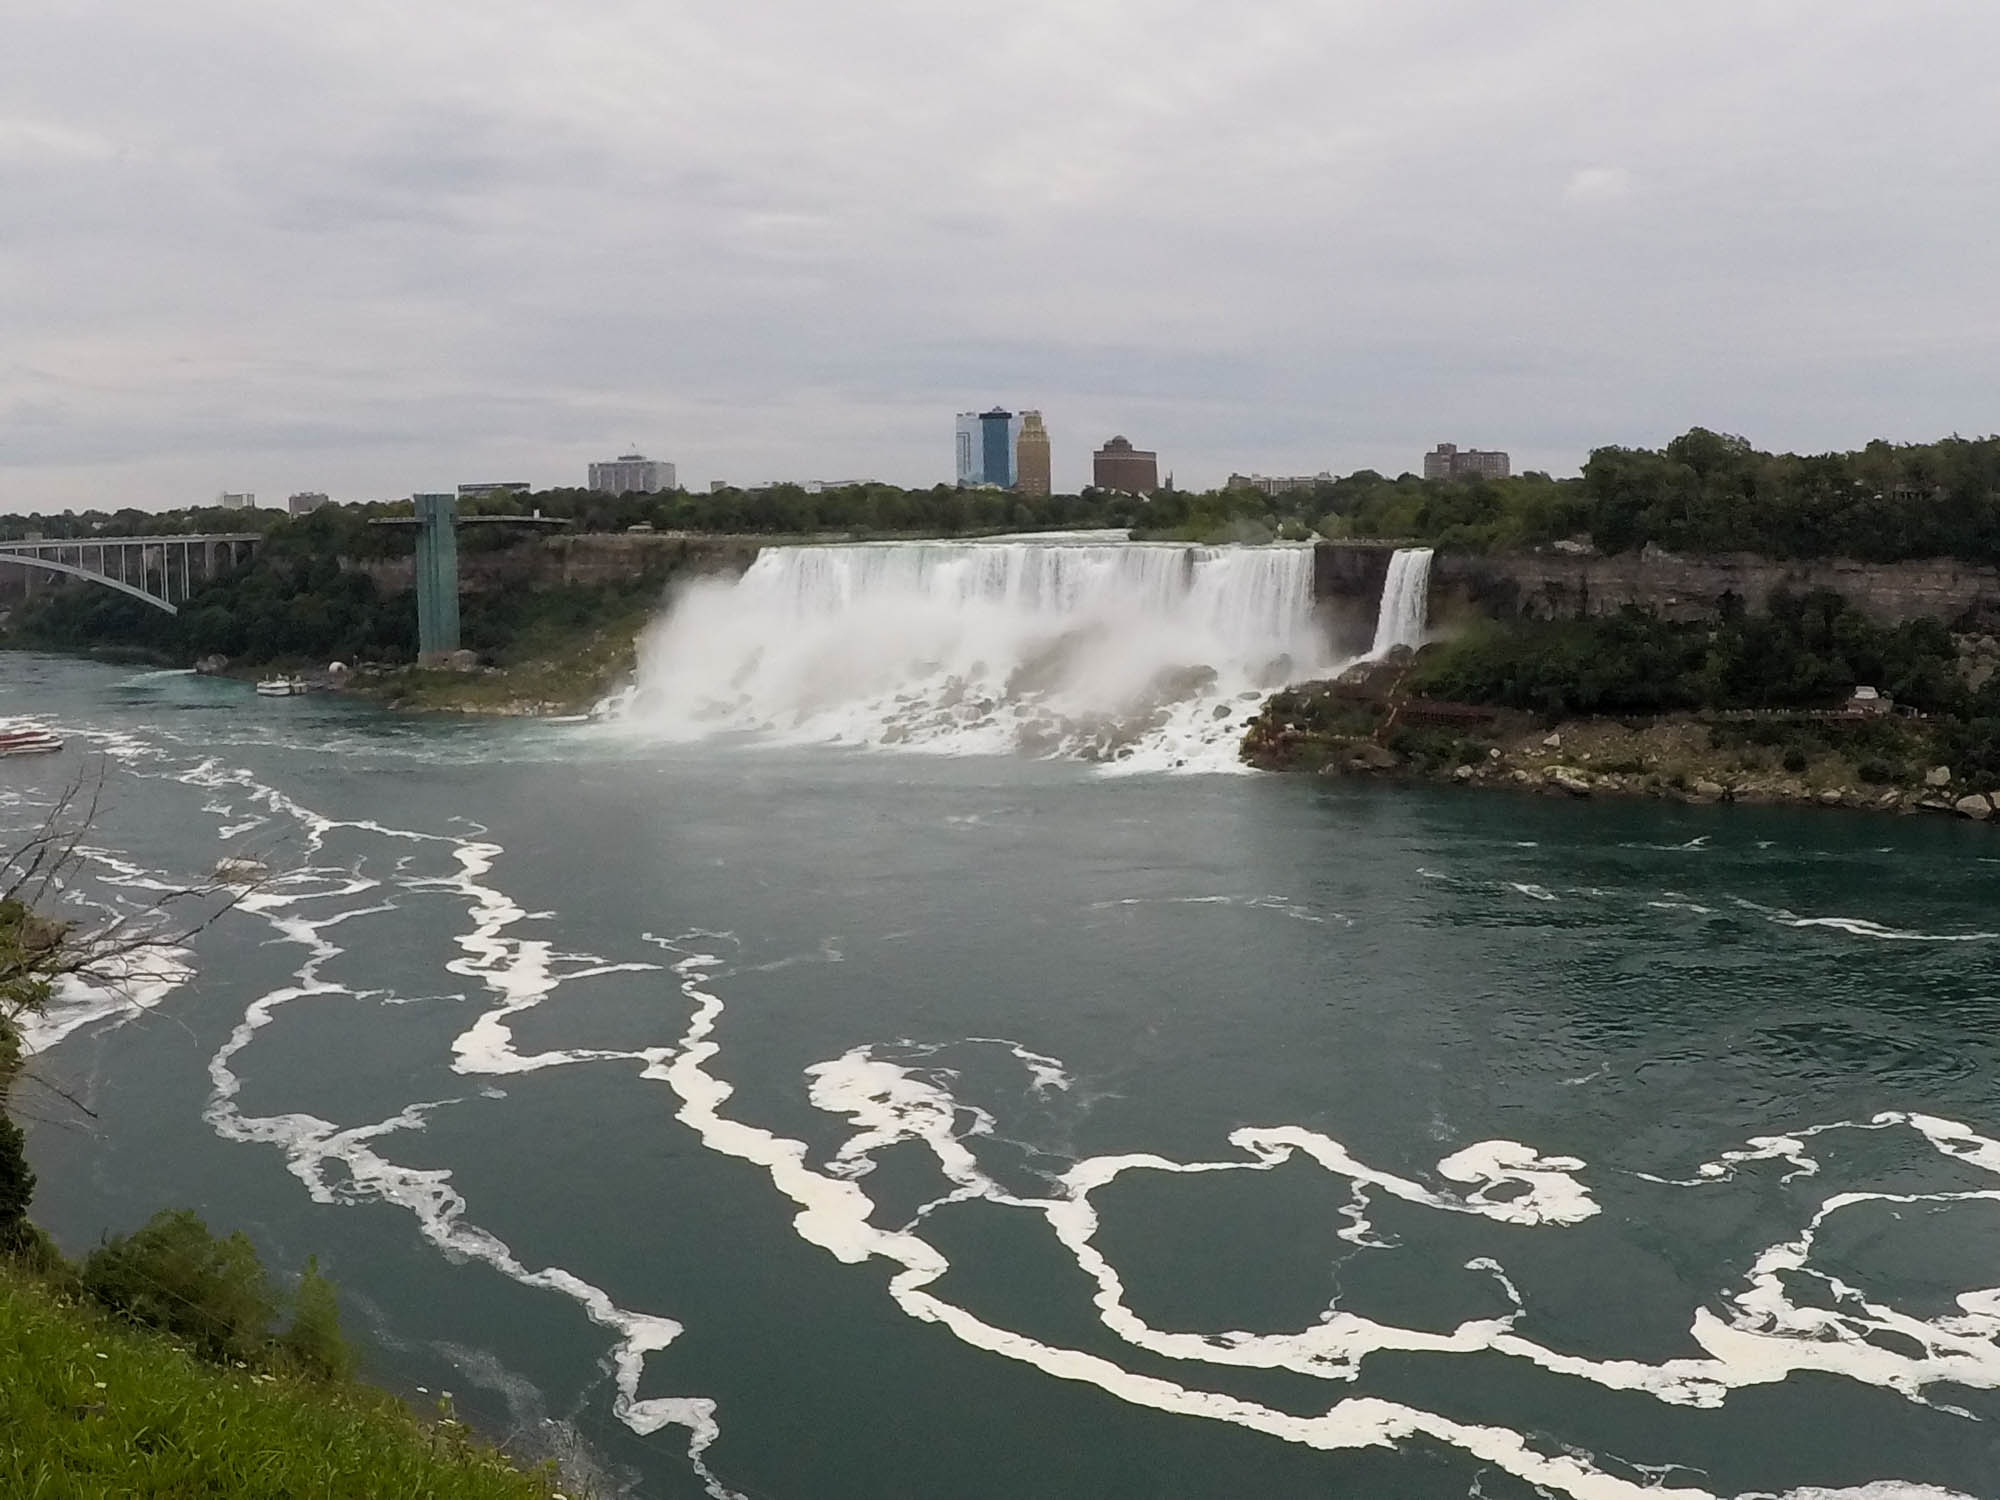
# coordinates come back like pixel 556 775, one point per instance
pixel 1148 655
pixel 1406 601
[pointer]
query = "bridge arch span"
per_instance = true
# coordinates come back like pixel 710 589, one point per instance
pixel 50 565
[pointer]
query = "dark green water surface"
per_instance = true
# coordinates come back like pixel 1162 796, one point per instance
pixel 805 1125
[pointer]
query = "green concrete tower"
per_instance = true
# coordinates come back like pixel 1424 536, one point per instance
pixel 437 574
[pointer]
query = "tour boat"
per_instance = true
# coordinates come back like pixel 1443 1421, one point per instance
pixel 29 739
pixel 281 687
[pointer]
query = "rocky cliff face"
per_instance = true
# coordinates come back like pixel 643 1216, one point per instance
pixel 1551 585
pixel 543 561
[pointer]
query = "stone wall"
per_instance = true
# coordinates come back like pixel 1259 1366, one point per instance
pixel 1550 585
pixel 587 558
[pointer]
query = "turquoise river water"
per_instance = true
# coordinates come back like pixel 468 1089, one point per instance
pixel 803 1123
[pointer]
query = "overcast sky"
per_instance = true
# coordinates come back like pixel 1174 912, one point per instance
pixel 374 247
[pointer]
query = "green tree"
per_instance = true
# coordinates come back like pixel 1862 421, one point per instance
pixel 313 1340
pixel 173 1274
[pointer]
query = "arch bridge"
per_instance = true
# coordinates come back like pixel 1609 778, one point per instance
pixel 161 570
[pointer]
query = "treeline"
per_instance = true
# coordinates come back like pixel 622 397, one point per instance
pixel 294 603
pixel 286 606
pixel 1807 651
pixel 1702 492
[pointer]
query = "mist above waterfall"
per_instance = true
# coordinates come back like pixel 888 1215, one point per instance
pixel 1147 655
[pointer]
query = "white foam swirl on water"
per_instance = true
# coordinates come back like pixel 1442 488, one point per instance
pixel 125 985
pixel 1765 1338
pixel 1760 1335
pixel 343 1165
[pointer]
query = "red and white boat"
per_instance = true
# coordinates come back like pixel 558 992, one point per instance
pixel 29 739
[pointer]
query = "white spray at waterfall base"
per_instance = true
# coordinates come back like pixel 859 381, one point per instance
pixel 1150 656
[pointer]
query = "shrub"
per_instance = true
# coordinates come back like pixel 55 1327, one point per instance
pixel 313 1340
pixel 174 1274
pixel 1876 772
pixel 1795 760
pixel 17 1188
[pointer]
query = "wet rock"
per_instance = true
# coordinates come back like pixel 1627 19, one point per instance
pixel 1938 776
pixel 1573 782
pixel 1978 808
pixel 212 666
pixel 1369 756
pixel 1708 791
pixel 1463 773
pixel 1222 711
pixel 1831 798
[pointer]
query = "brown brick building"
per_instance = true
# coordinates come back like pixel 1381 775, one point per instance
pixel 1120 466
pixel 1446 461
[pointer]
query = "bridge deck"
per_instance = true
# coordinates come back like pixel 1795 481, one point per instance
pixel 170 539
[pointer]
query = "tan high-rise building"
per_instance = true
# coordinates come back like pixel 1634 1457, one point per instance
pixel 1031 456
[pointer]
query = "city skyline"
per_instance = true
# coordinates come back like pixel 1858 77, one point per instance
pixel 454 257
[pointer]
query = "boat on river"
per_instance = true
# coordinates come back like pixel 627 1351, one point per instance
pixel 281 687
pixel 29 739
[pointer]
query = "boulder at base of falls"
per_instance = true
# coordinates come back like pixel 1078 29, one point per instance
pixel 1369 756
pixel 212 666
pixel 1573 782
pixel 1975 807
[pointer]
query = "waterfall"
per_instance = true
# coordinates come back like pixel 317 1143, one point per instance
pixel 1406 601
pixel 1145 654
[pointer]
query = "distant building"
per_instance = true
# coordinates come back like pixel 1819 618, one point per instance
pixel 498 488
pixel 996 447
pixel 969 466
pixel 821 486
pixel 305 502
pixel 1031 455
pixel 1120 466
pixel 985 448
pixel 632 474
pixel 1274 484
pixel 1446 462
pixel 244 501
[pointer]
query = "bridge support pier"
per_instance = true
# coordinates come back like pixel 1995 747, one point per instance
pixel 437 576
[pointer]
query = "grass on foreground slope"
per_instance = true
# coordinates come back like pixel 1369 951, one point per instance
pixel 92 1407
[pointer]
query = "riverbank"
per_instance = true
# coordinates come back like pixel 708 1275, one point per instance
pixel 91 1406
pixel 549 672
pixel 1363 728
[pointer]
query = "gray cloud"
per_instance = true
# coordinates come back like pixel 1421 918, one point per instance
pixel 375 248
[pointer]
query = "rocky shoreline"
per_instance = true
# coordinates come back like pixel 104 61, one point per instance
pixel 1360 726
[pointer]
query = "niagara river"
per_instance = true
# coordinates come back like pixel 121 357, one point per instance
pixel 731 1102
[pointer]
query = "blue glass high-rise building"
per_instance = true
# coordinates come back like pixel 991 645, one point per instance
pixel 987 445
pixel 996 447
